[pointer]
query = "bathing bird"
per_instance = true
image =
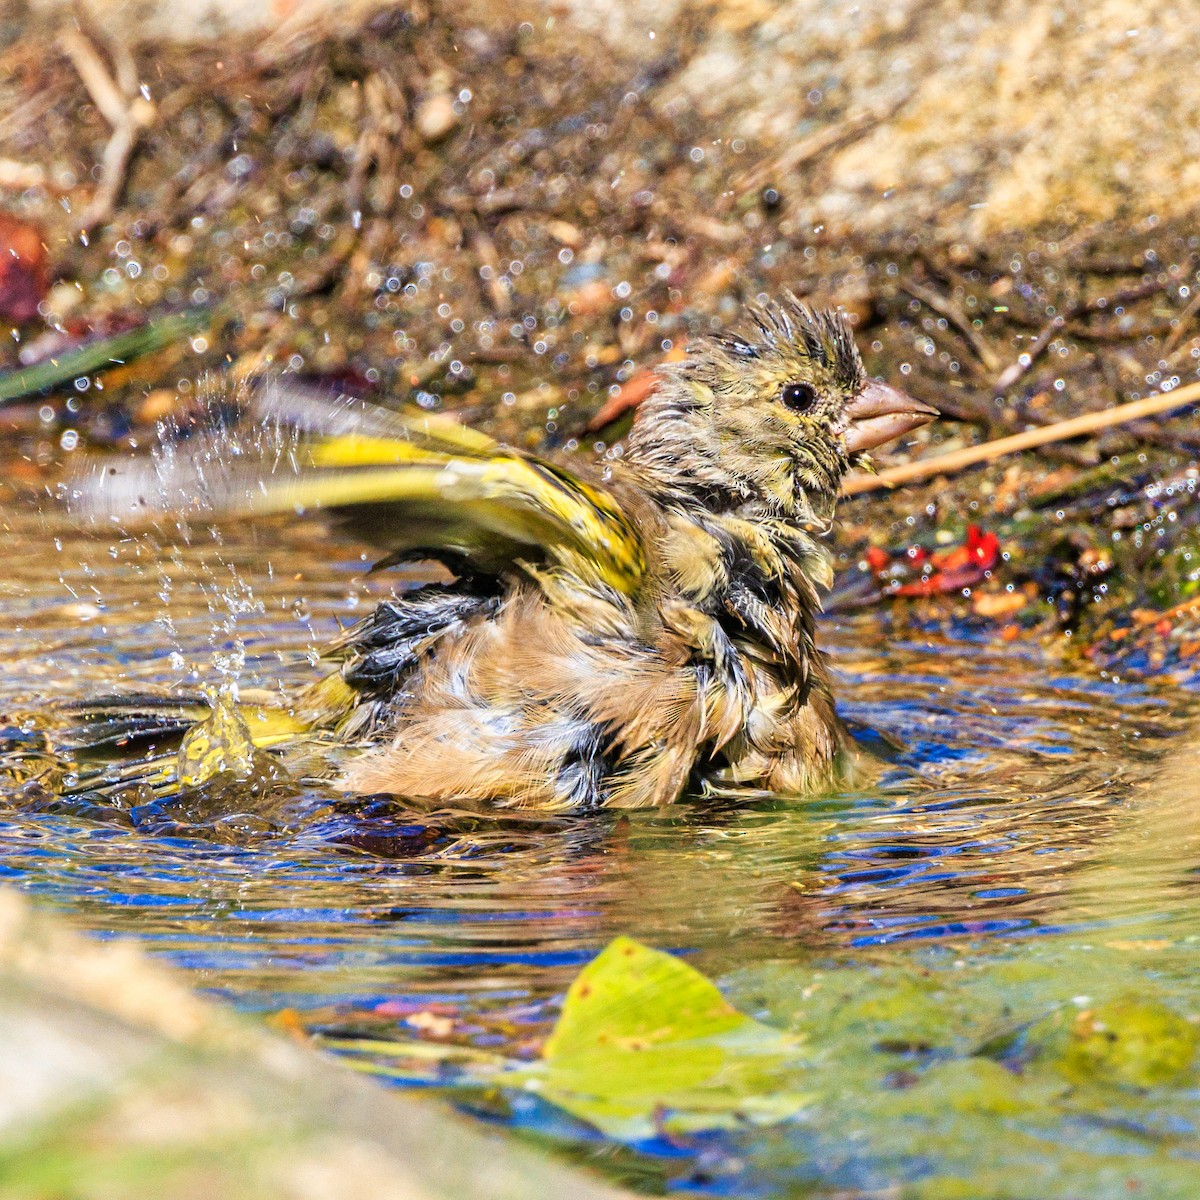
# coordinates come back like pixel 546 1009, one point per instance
pixel 608 635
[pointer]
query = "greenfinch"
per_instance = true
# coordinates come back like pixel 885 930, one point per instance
pixel 613 635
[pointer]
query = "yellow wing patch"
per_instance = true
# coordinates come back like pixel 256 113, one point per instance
pixel 437 485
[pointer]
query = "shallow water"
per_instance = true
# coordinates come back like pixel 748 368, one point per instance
pixel 1031 811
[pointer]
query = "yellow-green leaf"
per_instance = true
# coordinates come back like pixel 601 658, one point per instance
pixel 647 1044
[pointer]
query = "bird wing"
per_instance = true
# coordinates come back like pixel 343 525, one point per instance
pixel 419 484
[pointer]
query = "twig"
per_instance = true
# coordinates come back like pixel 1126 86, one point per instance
pixel 958 406
pixel 29 111
pixel 948 309
pixel 1112 332
pixel 712 229
pixel 86 60
pixel 498 202
pixel 1110 266
pixel 332 269
pixel 996 422
pixel 956 460
pixel 122 106
pixel 1036 349
pixel 1185 319
pixel 17 176
pixel 363 251
pixel 494 292
pixel 364 154
pixel 827 138
pixel 1050 330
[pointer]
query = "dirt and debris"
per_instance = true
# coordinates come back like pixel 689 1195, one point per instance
pixel 514 221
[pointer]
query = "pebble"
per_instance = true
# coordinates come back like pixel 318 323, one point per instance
pixel 435 117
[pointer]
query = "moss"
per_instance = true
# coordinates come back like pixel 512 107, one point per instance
pixel 1130 1043
pixel 1048 1070
pixel 85 1155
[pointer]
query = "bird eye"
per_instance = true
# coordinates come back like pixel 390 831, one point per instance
pixel 799 397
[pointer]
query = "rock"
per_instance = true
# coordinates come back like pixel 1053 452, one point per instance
pixel 133 1086
pixel 435 117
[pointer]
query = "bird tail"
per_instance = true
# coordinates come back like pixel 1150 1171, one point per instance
pixel 123 726
pixel 163 742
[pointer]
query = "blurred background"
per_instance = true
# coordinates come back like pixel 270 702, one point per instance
pixel 513 213
pixel 516 211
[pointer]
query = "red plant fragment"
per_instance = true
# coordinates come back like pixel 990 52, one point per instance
pixel 633 391
pixel 24 274
pixel 878 559
pixel 410 1008
pixel 950 570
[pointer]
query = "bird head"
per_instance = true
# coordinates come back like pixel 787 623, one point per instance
pixel 770 419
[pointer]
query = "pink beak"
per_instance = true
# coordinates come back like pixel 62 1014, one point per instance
pixel 881 413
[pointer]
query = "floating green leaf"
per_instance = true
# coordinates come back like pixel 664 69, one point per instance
pixel 646 1043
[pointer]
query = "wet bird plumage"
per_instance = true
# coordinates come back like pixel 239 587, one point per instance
pixel 610 635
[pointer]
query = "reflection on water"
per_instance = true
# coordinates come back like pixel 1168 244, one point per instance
pixel 1023 801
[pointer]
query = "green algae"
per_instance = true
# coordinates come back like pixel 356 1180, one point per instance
pixel 1129 1042
pixel 1051 1069
pixel 1056 1069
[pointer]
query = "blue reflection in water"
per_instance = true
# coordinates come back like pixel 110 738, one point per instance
pixel 1003 775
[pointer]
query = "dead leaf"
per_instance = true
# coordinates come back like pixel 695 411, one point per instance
pixel 24 274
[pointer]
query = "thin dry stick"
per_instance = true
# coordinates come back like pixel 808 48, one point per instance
pixel 29 111
pixel 123 108
pixel 1185 319
pixel 1032 353
pixel 948 309
pixel 1057 323
pixel 828 137
pixel 17 176
pixel 956 460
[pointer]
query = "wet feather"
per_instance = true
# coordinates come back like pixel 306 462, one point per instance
pixel 611 636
